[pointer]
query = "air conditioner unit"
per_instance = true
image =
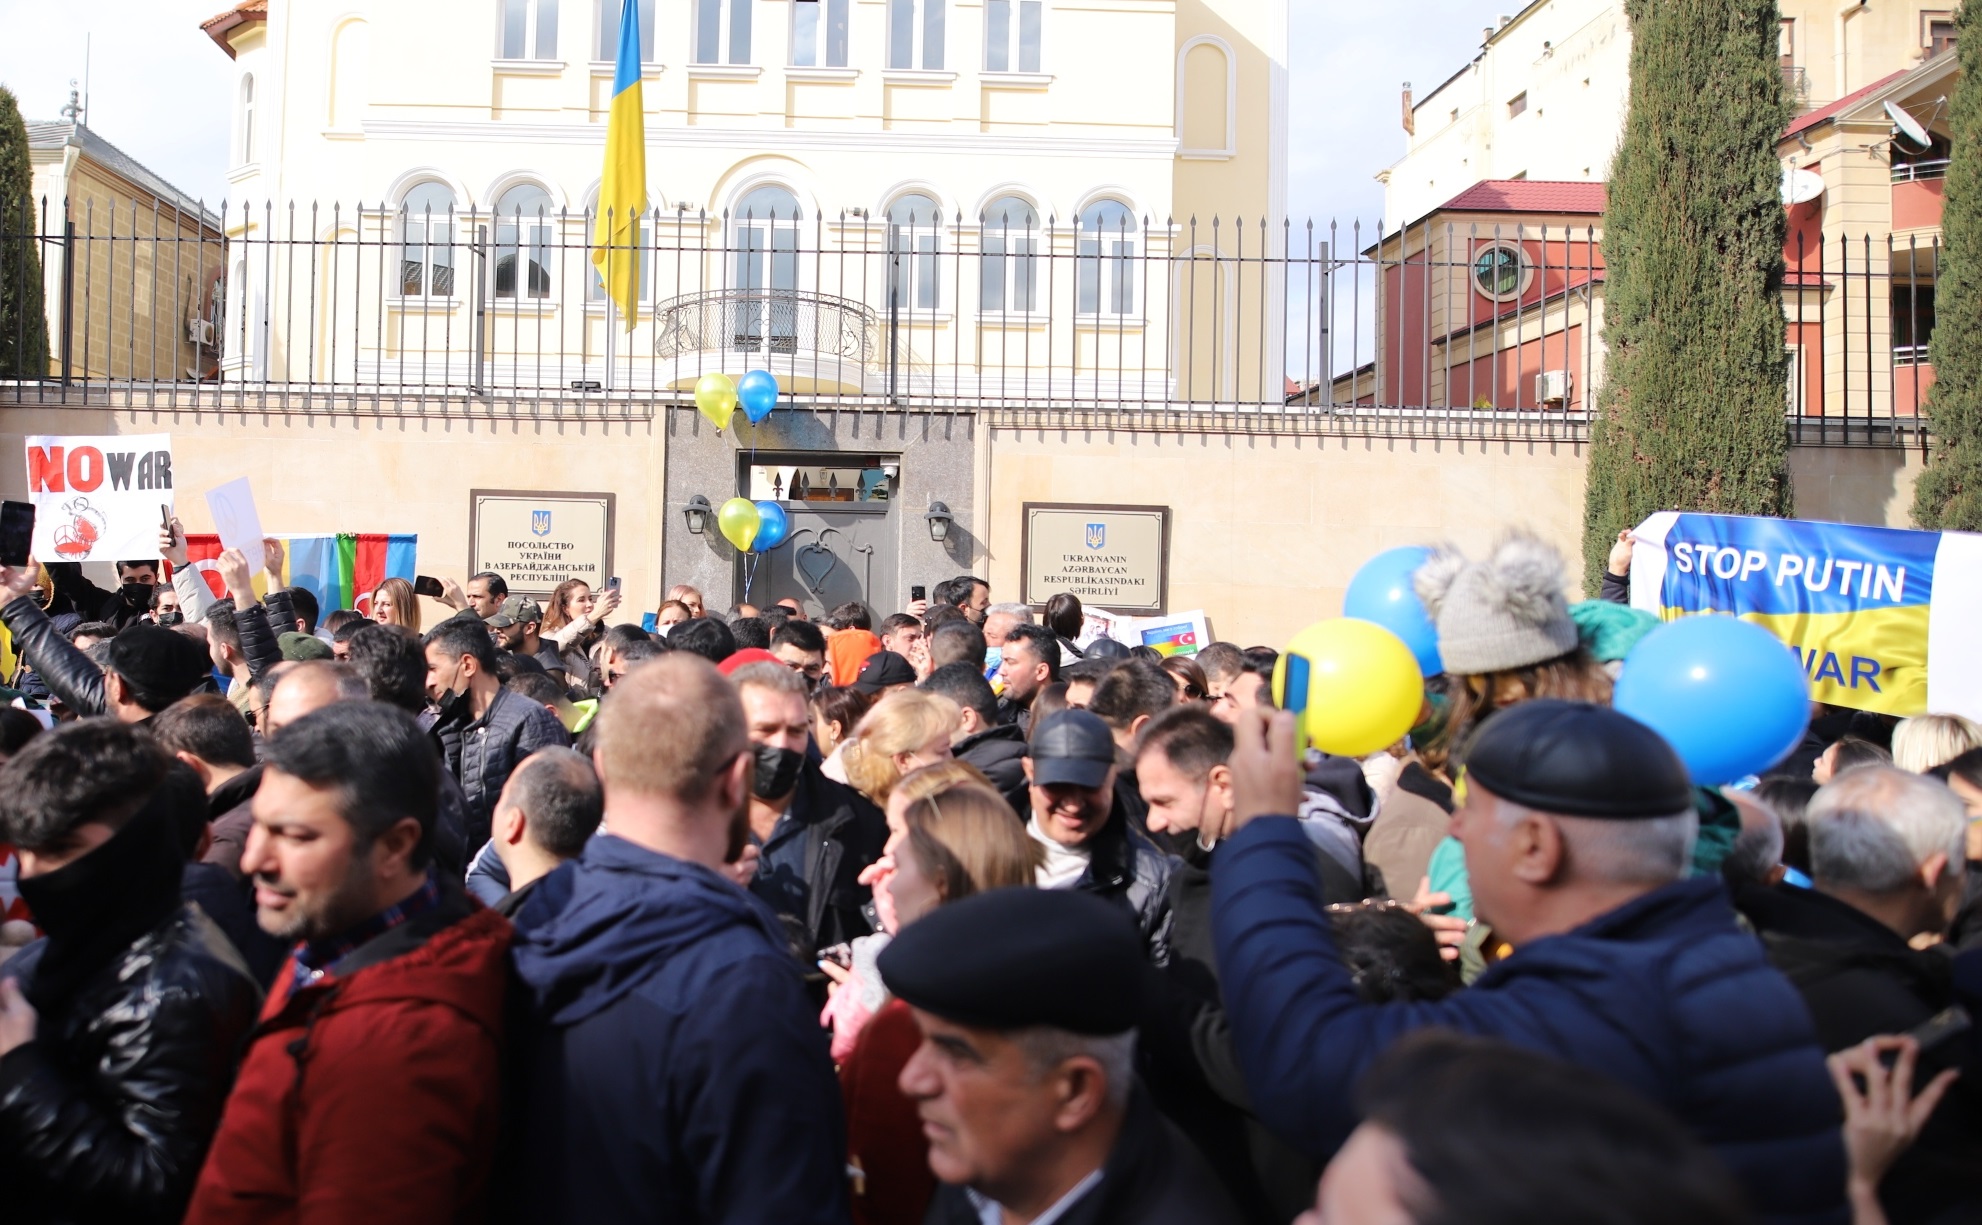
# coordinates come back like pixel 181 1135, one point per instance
pixel 1552 387
pixel 200 332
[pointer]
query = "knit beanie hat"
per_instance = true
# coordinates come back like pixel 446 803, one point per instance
pixel 1503 613
pixel 1610 630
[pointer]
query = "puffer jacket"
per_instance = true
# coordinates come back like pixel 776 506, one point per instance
pixel 1000 753
pixel 1665 994
pixel 1125 867
pixel 482 753
pixel 810 868
pixel 106 1115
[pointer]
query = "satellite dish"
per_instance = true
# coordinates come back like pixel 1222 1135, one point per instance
pixel 1800 186
pixel 1907 126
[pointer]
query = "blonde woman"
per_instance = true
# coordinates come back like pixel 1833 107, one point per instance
pixel 906 730
pixel 393 603
pixel 688 597
pixel 1925 741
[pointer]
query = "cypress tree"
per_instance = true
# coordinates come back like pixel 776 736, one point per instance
pixel 23 321
pixel 1692 413
pixel 1949 493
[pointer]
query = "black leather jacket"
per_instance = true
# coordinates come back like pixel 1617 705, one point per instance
pixel 69 674
pixel 107 1114
pixel 1126 867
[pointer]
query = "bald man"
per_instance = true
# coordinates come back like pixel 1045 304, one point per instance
pixel 306 687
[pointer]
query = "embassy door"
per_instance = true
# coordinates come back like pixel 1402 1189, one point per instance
pixel 844 543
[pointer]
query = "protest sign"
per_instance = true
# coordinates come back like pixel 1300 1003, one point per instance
pixel 1880 619
pixel 97 498
pixel 1183 633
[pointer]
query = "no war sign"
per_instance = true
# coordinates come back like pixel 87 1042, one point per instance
pixel 1879 618
pixel 98 498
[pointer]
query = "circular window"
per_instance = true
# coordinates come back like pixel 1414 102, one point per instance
pixel 1500 272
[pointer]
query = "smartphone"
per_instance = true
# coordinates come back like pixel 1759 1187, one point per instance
pixel 1943 1027
pixel 612 584
pixel 165 518
pixel 1294 699
pixel 427 586
pixel 839 954
pixel 16 532
pixel 918 593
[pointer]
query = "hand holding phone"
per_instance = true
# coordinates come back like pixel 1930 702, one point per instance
pixel 16 532
pixel 428 586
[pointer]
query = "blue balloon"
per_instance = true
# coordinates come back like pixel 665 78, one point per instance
pixel 1726 694
pixel 1382 592
pixel 773 525
pixel 757 392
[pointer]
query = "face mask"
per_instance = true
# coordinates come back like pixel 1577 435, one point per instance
pixel 174 617
pixel 451 703
pixel 137 595
pixel 775 774
pixel 993 658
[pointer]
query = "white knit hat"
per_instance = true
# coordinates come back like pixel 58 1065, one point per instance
pixel 1503 613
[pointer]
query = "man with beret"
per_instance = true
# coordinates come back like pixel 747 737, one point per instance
pixel 145 669
pixel 1079 821
pixel 1027 1001
pixel 1578 825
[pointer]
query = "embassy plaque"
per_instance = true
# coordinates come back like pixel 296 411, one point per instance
pixel 1114 557
pixel 537 539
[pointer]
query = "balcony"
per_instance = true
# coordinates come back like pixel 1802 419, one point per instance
pixel 1796 87
pixel 822 340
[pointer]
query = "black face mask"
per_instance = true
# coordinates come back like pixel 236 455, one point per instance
pixel 173 617
pixel 776 772
pixel 137 595
pixel 93 909
pixel 452 703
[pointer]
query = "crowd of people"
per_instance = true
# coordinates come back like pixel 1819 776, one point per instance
pixel 962 914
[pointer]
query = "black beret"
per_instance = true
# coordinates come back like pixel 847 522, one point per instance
pixel 1578 759
pixel 164 664
pixel 1013 958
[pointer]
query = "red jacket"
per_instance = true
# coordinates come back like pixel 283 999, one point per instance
pixel 370 1097
pixel 883 1129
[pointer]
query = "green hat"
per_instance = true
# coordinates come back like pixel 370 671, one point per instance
pixel 303 646
pixel 1608 630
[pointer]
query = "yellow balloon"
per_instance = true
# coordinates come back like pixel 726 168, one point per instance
pixel 739 521
pixel 1363 690
pixel 715 396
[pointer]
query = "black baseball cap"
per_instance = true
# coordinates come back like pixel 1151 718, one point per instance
pixel 883 670
pixel 1072 746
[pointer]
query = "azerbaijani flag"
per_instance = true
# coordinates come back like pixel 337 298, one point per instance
pixel 623 186
pixel 1169 640
pixel 340 571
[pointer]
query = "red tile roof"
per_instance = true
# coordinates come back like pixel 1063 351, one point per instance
pixel 1805 122
pixel 1527 196
pixel 219 26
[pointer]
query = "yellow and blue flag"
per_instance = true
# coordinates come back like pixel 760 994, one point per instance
pixel 623 186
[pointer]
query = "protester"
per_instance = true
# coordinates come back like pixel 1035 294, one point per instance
pixel 671 614
pixel 792 607
pixel 483 729
pixel 129 603
pixel 1126 699
pixel 1075 813
pixel 1029 660
pixel 1468 1129
pixel 1577 825
pixel 1079 679
pixel 309 687
pixel 369 1090
pixel 814 836
pixel 548 810
pixel 209 735
pixel 801 647
pixel 393 603
pixel 1847 753
pixel 966 593
pixel 835 711
pixel 883 673
pixel 906 730
pixel 392 665
pixel 1000 618
pixel 118 1028
pixel 942 848
pixel 1065 618
pixel 658 991
pixel 165 608
pixel 751 633
pixel 574 619
pixel 517 624
pixel 688 597
pixel 704 636
pixel 1245 690
pixel 341 635
pixel 1192 686
pixel 901 634
pixel 997 749
pixel 848 649
pixel 1883 1113
pixel 956 641
pixel 1024 1080
pixel 575 717
pixel 485 594
pixel 1887 851
pixel 146 667
pixel 1925 741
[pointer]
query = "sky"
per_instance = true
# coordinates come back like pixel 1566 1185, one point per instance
pixel 160 89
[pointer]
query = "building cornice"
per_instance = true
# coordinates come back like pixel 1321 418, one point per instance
pixel 594 135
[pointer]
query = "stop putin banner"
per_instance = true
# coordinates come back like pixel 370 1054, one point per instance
pixel 98 498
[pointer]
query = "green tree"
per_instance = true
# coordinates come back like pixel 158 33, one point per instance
pixel 1949 492
pixel 1692 414
pixel 23 319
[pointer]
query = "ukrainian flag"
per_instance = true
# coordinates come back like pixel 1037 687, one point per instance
pixel 623 187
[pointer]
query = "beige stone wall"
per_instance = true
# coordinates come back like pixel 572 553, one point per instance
pixel 1865 485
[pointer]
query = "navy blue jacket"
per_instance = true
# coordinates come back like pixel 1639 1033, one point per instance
pixel 1665 994
pixel 670 1067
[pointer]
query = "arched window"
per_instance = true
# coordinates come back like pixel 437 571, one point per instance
pixel 1012 45
pixel 350 70
pixel 1009 279
pixel 915 224
pixel 764 234
pixel 915 34
pixel 1207 99
pixel 426 241
pixel 1104 263
pixel 523 240
pixel 247 119
pixel 529 30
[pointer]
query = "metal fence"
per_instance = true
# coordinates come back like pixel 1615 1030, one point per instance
pixel 1432 329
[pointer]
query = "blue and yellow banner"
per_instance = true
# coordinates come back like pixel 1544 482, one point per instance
pixel 623 185
pixel 1855 604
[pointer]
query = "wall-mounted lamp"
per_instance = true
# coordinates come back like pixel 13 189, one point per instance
pixel 939 518
pixel 697 513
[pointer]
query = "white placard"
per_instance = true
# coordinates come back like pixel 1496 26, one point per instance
pixel 97 497
pixel 237 522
